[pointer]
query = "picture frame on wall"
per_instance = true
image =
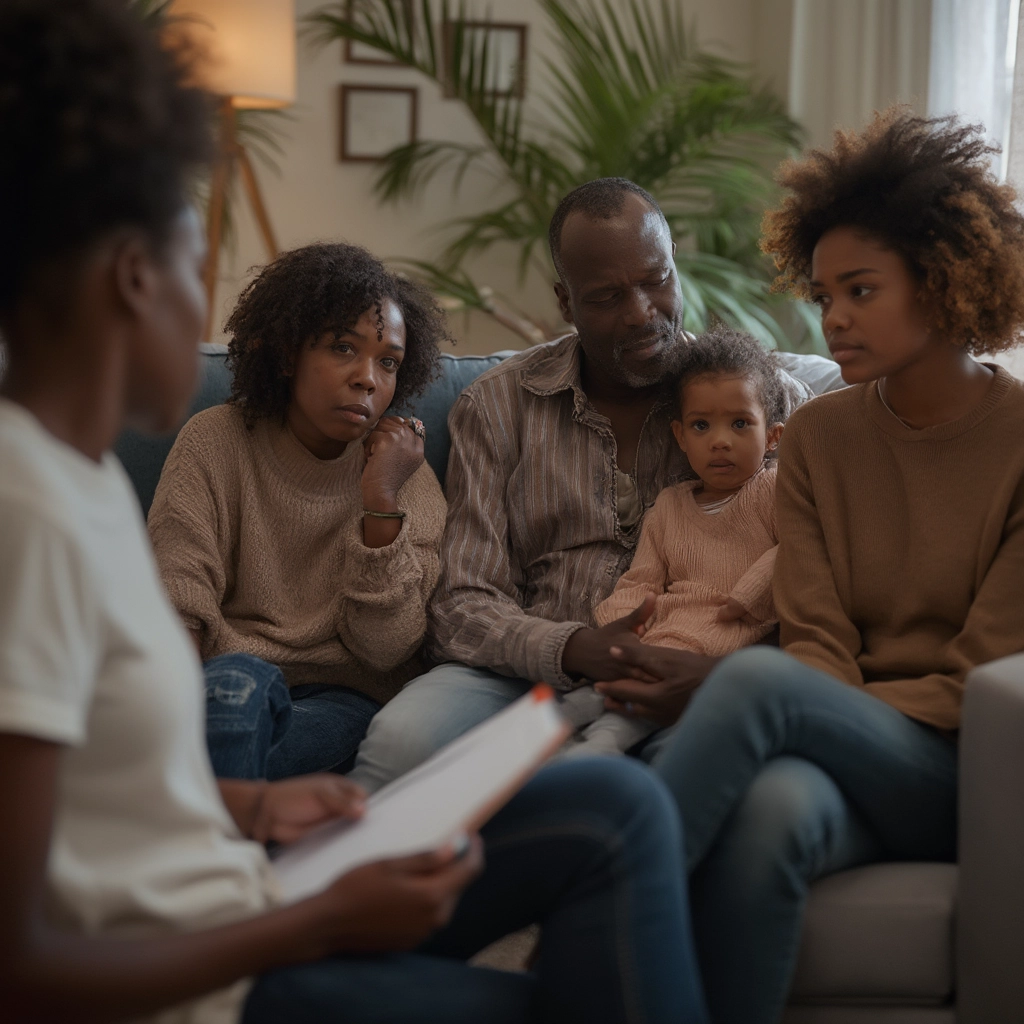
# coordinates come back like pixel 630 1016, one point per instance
pixel 506 53
pixel 359 53
pixel 376 119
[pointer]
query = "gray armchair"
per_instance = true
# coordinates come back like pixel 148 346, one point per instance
pixel 921 943
pixel 934 943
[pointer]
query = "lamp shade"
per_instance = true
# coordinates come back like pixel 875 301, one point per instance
pixel 248 47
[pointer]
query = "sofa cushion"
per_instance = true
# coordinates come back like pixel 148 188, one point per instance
pixel 879 934
pixel 818 373
pixel 143 455
pixel 436 401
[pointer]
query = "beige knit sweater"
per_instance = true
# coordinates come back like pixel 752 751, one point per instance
pixel 260 547
pixel 901 556
pixel 693 561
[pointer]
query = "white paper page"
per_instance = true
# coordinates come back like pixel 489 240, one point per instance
pixel 429 805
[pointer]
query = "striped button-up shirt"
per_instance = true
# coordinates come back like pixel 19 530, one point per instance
pixel 533 540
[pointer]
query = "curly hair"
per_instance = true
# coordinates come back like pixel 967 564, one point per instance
pixel 724 352
pixel 100 130
pixel 308 292
pixel 923 188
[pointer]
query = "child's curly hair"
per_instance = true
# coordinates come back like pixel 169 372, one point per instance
pixel 725 352
pixel 308 292
pixel 923 187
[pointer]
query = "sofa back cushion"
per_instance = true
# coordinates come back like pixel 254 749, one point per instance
pixel 143 455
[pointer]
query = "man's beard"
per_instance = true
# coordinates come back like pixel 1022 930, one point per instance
pixel 665 365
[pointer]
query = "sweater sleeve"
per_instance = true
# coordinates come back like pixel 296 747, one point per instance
pixel 753 590
pixel 187 530
pixel 648 572
pixel 991 630
pixel 813 623
pixel 476 616
pixel 383 619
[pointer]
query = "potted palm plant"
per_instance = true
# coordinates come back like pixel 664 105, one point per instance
pixel 626 94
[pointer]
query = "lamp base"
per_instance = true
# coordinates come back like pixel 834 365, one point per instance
pixel 229 153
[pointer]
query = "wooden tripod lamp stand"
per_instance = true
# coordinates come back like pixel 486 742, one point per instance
pixel 249 61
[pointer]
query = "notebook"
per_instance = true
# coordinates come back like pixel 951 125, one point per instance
pixel 454 792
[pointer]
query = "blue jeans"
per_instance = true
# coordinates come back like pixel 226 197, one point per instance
pixel 431 711
pixel 258 728
pixel 783 774
pixel 591 850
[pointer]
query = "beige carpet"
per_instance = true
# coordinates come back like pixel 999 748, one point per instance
pixel 510 953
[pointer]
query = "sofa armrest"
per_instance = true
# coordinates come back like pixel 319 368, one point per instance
pixel 990 898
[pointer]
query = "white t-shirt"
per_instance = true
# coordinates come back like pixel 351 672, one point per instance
pixel 93 657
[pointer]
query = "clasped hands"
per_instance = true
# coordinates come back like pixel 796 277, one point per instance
pixel 635 679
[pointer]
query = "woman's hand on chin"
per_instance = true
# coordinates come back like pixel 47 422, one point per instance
pixel 394 451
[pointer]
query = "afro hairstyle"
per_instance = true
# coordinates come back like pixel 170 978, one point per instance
pixel 922 187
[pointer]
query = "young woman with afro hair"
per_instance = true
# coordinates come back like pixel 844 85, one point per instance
pixel 133 884
pixel 900 508
pixel 297 527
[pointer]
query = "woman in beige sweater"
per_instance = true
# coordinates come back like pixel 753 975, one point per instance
pixel 900 506
pixel 297 527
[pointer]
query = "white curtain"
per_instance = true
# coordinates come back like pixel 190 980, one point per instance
pixel 972 63
pixel 1014 360
pixel 852 57
pixel 1015 144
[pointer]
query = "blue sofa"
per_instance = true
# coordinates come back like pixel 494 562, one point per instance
pixel 879 946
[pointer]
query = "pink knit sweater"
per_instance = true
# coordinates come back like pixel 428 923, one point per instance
pixel 693 561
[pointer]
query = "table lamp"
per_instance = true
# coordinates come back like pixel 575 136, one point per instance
pixel 247 50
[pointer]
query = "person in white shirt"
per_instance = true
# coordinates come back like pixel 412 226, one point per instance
pixel 133 885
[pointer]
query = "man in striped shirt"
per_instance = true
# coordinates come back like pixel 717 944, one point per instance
pixel 556 453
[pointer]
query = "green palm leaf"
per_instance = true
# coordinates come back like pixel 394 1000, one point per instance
pixel 628 95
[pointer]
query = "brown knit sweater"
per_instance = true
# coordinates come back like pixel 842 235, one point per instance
pixel 901 555
pixel 693 561
pixel 260 547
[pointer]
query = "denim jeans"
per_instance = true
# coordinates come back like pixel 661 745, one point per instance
pixel 591 850
pixel 783 774
pixel 431 711
pixel 258 728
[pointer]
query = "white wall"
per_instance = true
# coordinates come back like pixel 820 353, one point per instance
pixel 317 197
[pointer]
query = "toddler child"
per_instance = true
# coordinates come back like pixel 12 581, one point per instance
pixel 707 547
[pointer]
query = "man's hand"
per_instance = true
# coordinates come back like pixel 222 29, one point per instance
pixel 673 675
pixel 732 611
pixel 586 653
pixel 288 809
pixel 396 904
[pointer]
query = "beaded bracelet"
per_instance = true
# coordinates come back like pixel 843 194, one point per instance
pixel 383 515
